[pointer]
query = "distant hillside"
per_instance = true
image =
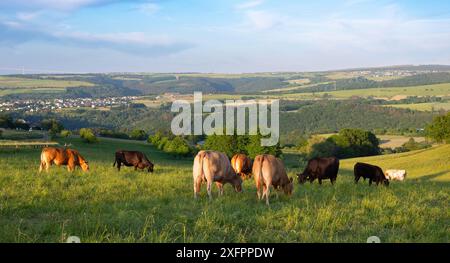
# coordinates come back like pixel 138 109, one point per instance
pixel 399 67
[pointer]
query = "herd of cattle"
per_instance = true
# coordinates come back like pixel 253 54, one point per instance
pixel 215 167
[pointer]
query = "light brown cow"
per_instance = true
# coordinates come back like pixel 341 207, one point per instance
pixel 242 165
pixel 269 171
pixel 60 156
pixel 212 166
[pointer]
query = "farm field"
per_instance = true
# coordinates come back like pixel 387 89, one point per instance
pixel 104 205
pixel 424 90
pixel 15 85
pixel 432 106
pixel 15 82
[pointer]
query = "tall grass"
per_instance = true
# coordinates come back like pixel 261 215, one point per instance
pixel 104 205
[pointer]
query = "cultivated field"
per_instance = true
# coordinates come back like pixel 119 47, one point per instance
pixel 14 82
pixel 432 106
pixel 15 85
pixel 104 205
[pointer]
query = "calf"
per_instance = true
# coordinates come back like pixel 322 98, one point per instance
pixel 398 175
pixel 372 172
pixel 132 158
pixel 320 168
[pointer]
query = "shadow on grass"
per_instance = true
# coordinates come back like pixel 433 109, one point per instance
pixel 429 177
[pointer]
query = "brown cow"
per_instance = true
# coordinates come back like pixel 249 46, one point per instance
pixel 242 165
pixel 132 158
pixel 212 166
pixel 269 171
pixel 60 156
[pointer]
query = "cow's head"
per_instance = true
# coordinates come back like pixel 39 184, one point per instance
pixel 288 188
pixel 150 167
pixel 84 165
pixel 386 181
pixel 302 177
pixel 236 181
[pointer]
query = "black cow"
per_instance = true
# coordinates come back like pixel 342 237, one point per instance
pixel 320 168
pixel 132 158
pixel 372 172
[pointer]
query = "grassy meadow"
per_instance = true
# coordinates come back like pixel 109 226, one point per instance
pixel 104 205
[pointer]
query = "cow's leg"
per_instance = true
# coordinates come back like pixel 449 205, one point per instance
pixel 370 181
pixel 258 191
pixel 197 185
pixel 42 166
pixel 220 187
pixel 208 189
pixel 135 167
pixel 356 179
pixel 119 163
pixel 320 180
pixel 333 180
pixel 267 193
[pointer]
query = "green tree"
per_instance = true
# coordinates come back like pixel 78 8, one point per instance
pixel 222 143
pixel 255 148
pixel 439 129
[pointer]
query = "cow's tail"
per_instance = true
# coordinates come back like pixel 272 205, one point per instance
pixel 202 173
pixel 43 164
pixel 260 175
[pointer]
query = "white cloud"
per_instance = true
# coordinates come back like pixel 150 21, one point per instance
pixel 249 4
pixel 149 8
pixel 262 19
pixel 140 43
pixel 27 16
pixel 62 5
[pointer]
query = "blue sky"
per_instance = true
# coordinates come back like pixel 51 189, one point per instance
pixel 220 35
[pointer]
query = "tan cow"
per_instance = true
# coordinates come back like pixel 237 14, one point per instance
pixel 212 166
pixel 242 165
pixel 269 171
pixel 60 156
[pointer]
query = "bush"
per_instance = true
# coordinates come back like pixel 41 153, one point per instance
pixel 65 133
pixel 176 145
pixel 113 134
pixel 88 136
pixel 138 135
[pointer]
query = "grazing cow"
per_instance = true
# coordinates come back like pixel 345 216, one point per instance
pixel 398 175
pixel 60 156
pixel 320 168
pixel 372 172
pixel 132 158
pixel 269 171
pixel 242 165
pixel 213 166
